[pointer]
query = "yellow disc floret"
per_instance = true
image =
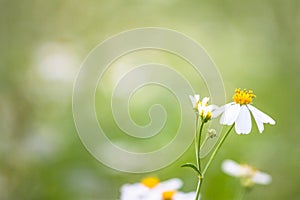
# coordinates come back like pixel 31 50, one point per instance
pixel 150 182
pixel 243 97
pixel 168 195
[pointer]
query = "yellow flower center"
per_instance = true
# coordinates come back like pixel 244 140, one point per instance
pixel 248 170
pixel 248 173
pixel 150 182
pixel 168 195
pixel 243 97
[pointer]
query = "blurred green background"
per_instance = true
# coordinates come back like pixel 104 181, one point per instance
pixel 255 45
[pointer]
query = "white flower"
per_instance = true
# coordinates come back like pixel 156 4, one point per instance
pixel 238 112
pixel 248 174
pixel 202 108
pixel 149 189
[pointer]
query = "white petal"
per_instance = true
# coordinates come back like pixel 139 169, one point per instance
pixel 260 118
pixel 205 100
pixel 261 178
pixel 243 122
pixel 184 196
pixel 231 168
pixel 200 108
pixel 172 184
pixel 216 111
pixel 169 185
pixel 230 114
pixel 210 108
pixel 193 100
pixel 133 191
pixel 154 194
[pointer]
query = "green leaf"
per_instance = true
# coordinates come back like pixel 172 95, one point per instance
pixel 191 165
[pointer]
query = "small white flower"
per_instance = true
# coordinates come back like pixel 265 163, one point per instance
pixel 238 112
pixel 149 189
pixel 204 110
pixel 248 174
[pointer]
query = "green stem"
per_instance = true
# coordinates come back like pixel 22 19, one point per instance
pixel 196 152
pixel 199 161
pixel 216 150
pixel 199 146
pixel 199 188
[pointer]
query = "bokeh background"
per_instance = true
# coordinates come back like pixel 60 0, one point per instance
pixel 255 45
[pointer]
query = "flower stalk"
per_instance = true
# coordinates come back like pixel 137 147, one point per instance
pixel 199 146
pixel 217 149
pixel 200 177
pixel 202 173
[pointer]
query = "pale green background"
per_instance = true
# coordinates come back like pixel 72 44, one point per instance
pixel 255 44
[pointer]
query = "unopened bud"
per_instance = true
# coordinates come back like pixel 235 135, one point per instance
pixel 212 133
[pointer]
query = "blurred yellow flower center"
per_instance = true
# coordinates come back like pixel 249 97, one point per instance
pixel 168 195
pixel 150 182
pixel 248 170
pixel 243 97
pixel 247 174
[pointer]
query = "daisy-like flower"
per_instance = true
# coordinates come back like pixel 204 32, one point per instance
pixel 204 110
pixel 238 112
pixel 247 174
pixel 152 189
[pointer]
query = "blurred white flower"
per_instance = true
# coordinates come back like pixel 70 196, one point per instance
pixel 204 110
pixel 152 189
pixel 238 112
pixel 56 62
pixel 248 174
pixel 41 144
